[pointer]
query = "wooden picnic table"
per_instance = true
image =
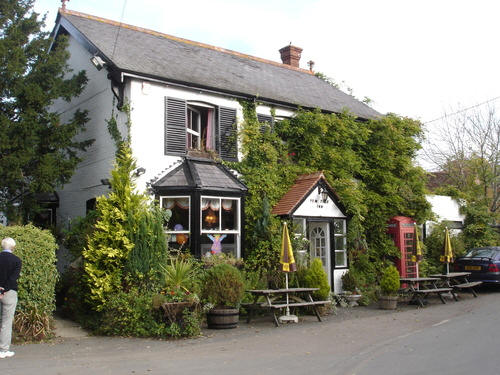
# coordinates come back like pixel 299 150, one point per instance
pixel 458 281
pixel 421 287
pixel 274 301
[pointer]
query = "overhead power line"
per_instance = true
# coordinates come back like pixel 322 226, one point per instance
pixel 462 110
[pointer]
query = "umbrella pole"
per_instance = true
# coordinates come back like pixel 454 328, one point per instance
pixel 447 268
pixel 286 284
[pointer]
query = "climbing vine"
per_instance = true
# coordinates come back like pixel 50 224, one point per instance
pixel 368 163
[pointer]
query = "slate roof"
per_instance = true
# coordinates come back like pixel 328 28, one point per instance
pixel 200 174
pixel 298 192
pixel 156 55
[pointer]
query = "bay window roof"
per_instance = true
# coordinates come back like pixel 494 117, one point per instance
pixel 202 174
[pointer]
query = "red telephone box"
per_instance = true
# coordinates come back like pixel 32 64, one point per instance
pixel 402 231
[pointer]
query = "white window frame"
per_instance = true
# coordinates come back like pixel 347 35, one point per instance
pixel 237 233
pixel 344 236
pixel 171 231
pixel 191 106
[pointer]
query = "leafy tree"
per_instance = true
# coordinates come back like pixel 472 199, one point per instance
pixel 38 150
pixel 128 243
pixel 466 150
pixel 477 230
pixel 111 243
pixel 393 185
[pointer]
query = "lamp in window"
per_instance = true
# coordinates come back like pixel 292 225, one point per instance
pixel 210 218
pixel 322 194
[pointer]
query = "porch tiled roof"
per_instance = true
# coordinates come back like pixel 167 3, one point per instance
pixel 303 185
pixel 139 51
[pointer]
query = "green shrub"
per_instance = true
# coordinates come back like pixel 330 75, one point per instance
pixel 253 280
pixel 353 281
pixel 434 248
pixel 37 250
pixel 180 273
pixel 75 238
pixel 223 286
pixel 316 277
pixel 131 314
pixel 389 282
pixel 150 248
pixel 107 252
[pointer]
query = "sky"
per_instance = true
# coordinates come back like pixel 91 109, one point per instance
pixel 419 59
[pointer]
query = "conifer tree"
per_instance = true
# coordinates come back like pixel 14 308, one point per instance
pixel 38 151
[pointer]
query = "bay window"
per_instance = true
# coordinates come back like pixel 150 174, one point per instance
pixel 178 230
pixel 220 225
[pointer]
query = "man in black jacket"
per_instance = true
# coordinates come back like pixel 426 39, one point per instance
pixel 10 268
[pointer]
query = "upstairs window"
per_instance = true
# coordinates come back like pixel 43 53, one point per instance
pixel 199 126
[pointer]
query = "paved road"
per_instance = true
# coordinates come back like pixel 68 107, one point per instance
pixel 456 338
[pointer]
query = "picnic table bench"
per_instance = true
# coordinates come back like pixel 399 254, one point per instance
pixel 459 281
pixel 421 287
pixel 273 301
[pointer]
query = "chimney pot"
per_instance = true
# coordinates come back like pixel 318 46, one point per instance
pixel 290 55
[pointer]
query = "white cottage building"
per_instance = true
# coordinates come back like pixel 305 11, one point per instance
pixel 184 97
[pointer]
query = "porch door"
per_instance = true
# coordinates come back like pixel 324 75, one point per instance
pixel 319 237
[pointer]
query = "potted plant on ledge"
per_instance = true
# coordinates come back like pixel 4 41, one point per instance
pixel 389 286
pixel 352 281
pixel 223 287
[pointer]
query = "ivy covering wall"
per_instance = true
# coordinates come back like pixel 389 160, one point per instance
pixel 368 163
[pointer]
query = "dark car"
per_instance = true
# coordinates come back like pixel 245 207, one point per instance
pixel 482 262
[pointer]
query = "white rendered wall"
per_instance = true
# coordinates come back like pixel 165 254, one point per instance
pixel 445 208
pixel 97 99
pixel 337 280
pixel 148 121
pixel 146 99
pixel 312 207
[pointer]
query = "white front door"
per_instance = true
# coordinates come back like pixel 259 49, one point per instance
pixel 319 236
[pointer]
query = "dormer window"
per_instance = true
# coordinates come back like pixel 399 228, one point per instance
pixel 199 126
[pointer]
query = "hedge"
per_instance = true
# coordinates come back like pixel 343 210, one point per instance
pixel 37 250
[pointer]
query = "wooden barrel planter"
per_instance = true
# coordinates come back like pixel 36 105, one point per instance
pixel 388 302
pixel 223 318
pixel 173 310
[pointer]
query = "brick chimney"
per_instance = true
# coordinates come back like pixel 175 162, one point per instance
pixel 290 55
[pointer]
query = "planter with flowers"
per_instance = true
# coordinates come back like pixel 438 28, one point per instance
pixel 223 288
pixel 178 293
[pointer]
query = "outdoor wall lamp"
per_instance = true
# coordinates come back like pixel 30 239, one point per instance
pixel 97 62
pixel 139 171
pixel 322 194
pixel 105 182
